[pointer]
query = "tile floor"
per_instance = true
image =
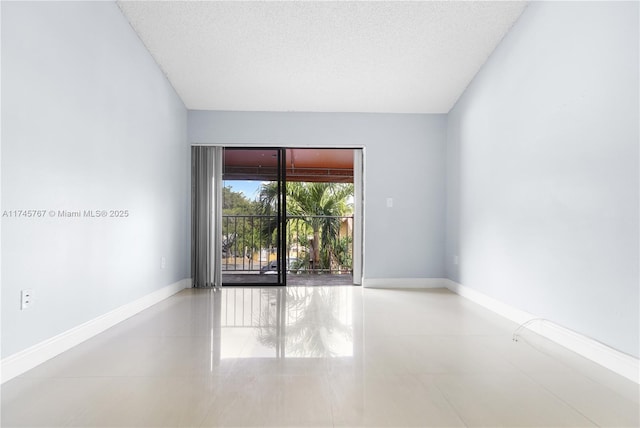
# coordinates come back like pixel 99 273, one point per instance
pixel 318 356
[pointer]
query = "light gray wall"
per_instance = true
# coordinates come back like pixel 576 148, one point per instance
pixel 543 171
pixel 88 122
pixel 404 160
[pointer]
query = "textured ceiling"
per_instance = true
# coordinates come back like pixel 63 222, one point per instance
pixel 397 57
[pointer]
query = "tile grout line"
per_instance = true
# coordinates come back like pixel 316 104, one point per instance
pixel 554 395
pixel 444 395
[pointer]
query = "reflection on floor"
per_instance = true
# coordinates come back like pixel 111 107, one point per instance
pixel 318 356
pixel 283 323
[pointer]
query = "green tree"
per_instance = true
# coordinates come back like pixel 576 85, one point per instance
pixel 318 205
pixel 235 203
pixel 237 232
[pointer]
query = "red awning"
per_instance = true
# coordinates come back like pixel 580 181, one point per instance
pixel 303 164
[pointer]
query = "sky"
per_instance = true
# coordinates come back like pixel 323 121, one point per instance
pixel 248 188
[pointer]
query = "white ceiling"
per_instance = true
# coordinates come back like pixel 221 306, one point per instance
pixel 397 57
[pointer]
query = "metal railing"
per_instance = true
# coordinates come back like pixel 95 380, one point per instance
pixel 314 244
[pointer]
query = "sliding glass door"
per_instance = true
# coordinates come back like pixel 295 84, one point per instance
pixel 253 216
pixel 246 232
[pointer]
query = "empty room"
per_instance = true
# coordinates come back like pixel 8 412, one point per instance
pixel 320 213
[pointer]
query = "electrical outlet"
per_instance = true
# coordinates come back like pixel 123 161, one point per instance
pixel 456 260
pixel 163 262
pixel 389 202
pixel 26 298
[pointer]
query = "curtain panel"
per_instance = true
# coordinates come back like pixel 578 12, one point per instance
pixel 206 216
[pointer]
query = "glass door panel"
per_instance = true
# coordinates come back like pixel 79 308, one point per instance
pixel 253 216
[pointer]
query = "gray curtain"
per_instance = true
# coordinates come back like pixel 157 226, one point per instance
pixel 358 215
pixel 206 216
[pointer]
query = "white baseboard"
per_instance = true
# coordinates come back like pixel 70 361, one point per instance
pixel 404 282
pixel 614 360
pixel 516 315
pixel 20 362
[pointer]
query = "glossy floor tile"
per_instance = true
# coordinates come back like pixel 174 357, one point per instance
pixel 318 356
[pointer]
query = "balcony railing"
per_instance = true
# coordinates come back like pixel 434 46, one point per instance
pixel 314 244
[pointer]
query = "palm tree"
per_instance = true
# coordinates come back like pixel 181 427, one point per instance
pixel 318 205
